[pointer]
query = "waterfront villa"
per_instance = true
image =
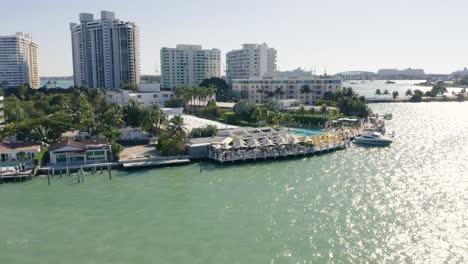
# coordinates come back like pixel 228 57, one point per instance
pixel 87 151
pixel 248 143
pixel 12 154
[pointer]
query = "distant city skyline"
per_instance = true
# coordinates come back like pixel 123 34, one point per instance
pixel 333 35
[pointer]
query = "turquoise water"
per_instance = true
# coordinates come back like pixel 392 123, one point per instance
pixel 403 204
pixel 307 132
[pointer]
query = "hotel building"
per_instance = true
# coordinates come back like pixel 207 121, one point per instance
pixel 306 90
pixel 18 61
pixel 105 51
pixel 252 61
pixel 188 65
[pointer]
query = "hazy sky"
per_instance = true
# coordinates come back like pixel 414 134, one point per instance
pixel 340 35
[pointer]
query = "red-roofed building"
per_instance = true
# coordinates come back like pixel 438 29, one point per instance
pixel 12 154
pixel 87 151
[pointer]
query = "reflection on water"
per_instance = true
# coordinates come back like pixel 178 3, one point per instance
pixel 404 203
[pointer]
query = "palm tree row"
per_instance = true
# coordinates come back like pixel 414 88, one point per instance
pixel 193 95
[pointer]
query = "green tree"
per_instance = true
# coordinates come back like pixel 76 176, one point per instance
pixel 154 118
pixel 378 92
pixel 223 92
pixel 133 114
pixel 176 128
pixel 386 92
pixel 395 94
pixel 129 86
pixel 409 92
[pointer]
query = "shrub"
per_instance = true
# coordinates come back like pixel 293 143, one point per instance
pixel 230 118
pixel 40 155
pixel 170 147
pixel 116 149
pixel 206 131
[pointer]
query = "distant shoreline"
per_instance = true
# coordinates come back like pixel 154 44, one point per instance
pixel 424 100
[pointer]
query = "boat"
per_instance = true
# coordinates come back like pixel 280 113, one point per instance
pixel 353 83
pixel 389 82
pixel 372 138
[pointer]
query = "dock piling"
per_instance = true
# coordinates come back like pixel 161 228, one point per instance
pixel 48 177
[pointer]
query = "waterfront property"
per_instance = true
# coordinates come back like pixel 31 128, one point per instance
pixel 87 151
pixel 18 61
pixel 304 89
pixel 15 154
pixel 249 143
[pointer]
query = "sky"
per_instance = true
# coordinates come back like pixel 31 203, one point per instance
pixel 331 35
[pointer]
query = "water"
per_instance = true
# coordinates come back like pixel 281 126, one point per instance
pixel 406 203
pixel 60 84
pixel 368 88
pixel 307 132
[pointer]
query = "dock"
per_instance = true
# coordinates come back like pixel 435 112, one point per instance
pixel 16 176
pixel 258 154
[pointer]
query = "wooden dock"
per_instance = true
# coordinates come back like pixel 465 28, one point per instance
pixel 16 176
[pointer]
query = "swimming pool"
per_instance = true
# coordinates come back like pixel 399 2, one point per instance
pixel 307 132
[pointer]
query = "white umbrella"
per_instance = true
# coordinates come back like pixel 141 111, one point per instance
pixel 216 146
pixel 293 140
pixel 266 142
pixel 281 141
pixel 225 146
pixel 228 140
pixel 253 143
pixel 239 143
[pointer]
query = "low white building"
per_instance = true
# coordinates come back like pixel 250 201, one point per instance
pixel 133 133
pixel 122 97
pixel 306 90
pixel 12 154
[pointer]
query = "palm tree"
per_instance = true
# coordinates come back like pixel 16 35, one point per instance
pixel 385 92
pixel 395 94
pixel 154 118
pixel 378 92
pixel 323 109
pixel 42 132
pixel 409 92
pixel 176 128
pixel 302 112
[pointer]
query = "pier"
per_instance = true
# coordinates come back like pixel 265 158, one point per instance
pixel 259 154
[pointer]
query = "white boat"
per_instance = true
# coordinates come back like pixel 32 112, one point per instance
pixel 373 138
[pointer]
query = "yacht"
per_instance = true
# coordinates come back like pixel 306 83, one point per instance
pixel 372 138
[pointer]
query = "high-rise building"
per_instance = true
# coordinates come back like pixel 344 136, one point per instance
pixel 252 61
pixel 188 65
pixel 106 51
pixel 18 61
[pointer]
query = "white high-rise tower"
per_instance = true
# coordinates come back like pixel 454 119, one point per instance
pixel 18 61
pixel 106 52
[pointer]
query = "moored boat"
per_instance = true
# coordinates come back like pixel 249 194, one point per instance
pixel 373 138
